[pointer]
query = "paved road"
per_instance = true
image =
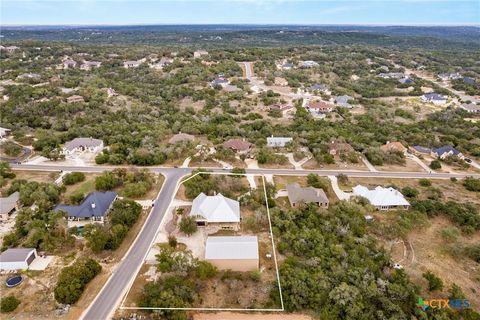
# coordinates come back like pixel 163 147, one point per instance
pixel 169 170
pixel 106 302
pixel 248 70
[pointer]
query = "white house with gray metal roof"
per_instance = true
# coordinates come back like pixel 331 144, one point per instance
pixel 237 253
pixel 9 205
pixel 83 145
pixel 382 198
pixel 278 142
pixel 216 209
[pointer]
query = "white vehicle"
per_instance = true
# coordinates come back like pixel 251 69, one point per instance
pixel 227 167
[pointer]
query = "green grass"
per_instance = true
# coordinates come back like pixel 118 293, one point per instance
pixel 86 187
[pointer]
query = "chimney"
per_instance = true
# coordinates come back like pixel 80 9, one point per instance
pixel 93 205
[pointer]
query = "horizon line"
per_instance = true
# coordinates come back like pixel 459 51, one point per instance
pixel 249 24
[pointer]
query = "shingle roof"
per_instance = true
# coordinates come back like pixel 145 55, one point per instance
pixel 381 196
pixel 342 99
pixel 237 144
pixel 433 96
pixel 306 195
pixel 422 149
pixel 181 137
pixel 233 248
pixel 82 142
pixel 15 254
pixel 7 204
pixel 216 208
pixel 95 205
pixel 446 149
pixel 320 87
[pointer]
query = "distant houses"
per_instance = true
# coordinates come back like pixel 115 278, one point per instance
pixel 342 101
pixel 318 88
pixel 75 99
pixel 132 64
pixel 83 145
pixel 284 108
pixel 405 81
pixel 393 146
pixel 298 195
pixel 419 150
pixel 308 64
pixel 449 76
pixel 382 198
pixel 391 75
pixel 179 137
pixel 238 145
pixel 220 80
pixel 278 142
pixel 4 132
pixel 434 98
pixel 69 64
pixel 446 151
pixel 471 108
pixel 236 253
pixel 88 65
pixel 200 53
pixel 335 148
pixel 15 259
pixel 9 49
pixel 280 82
pixel 94 208
pixel 287 66
pixel 319 107
pixel 218 210
pixel 8 205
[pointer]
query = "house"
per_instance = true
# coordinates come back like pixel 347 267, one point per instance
pixel 236 253
pixel 318 87
pixel 10 49
pixel 87 65
pixel 446 151
pixel 298 195
pixel 181 137
pixel 392 75
pixel 9 205
pixel 339 148
pixel 131 64
pixel 287 66
pixel 449 76
pixel 75 99
pixel 69 63
pixel 405 81
pixel 55 79
pixel 342 101
pixel 434 98
pixel 162 63
pixel 217 210
pixel 111 92
pixel 83 145
pixel 284 108
pixel 238 145
pixel 309 64
pixel 200 53
pixel 281 82
pixel 94 208
pixel 319 107
pixel 278 142
pixel 469 80
pixel 382 198
pixel 393 146
pixel 15 259
pixel 419 150
pixel 4 132
pixel 35 76
pixel 471 108
pixel 220 80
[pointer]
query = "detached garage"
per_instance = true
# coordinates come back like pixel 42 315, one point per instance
pixel 17 258
pixel 234 253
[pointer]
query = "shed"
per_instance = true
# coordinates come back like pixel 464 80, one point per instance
pixel 237 253
pixel 17 258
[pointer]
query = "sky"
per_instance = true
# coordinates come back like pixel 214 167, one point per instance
pixel 127 12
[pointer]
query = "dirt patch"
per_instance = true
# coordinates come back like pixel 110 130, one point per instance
pixel 250 316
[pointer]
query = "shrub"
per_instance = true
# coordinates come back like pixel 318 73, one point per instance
pixel 314 181
pixel 472 184
pixel 410 192
pixel 76 197
pixel 73 279
pixel 205 270
pixel 435 164
pixel 72 178
pixel 255 276
pixel 434 282
pixel 188 225
pixel 8 304
pixel 172 241
pixel 425 182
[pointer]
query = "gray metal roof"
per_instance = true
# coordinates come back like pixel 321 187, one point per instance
pixel 306 195
pixel 233 248
pixel 95 205
pixel 7 204
pixel 15 254
pixel 82 142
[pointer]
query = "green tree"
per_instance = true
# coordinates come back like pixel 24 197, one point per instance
pixel 188 225
pixel 435 165
pixel 205 270
pixel 9 304
pixel 472 184
pixel 434 282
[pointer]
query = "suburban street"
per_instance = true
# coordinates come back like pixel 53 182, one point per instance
pixel 105 304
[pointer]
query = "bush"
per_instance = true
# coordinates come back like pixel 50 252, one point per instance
pixel 205 270
pixel 314 181
pixel 473 252
pixel 434 282
pixel 172 241
pixel 72 178
pixel 472 184
pixel 410 192
pixel 106 181
pixel 188 225
pixel 435 164
pixel 255 276
pixel 73 279
pixel 8 304
pixel 76 197
pixel 425 182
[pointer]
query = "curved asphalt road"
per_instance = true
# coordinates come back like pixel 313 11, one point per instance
pixel 106 302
